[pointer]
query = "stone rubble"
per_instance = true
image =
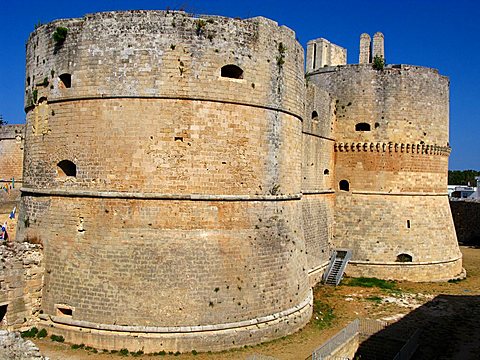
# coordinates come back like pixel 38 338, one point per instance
pixel 13 347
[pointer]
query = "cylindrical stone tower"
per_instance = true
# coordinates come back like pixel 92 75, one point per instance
pixel 163 176
pixel 318 195
pixel 391 162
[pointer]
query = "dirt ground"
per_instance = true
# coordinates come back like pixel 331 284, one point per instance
pixel 448 313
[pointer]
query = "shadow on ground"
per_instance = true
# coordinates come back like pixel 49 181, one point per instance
pixel 450 329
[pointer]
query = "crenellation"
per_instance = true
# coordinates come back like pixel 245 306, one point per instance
pixel 364 56
pixel 378 49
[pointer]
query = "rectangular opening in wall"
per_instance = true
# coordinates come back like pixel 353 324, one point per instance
pixel 314 57
pixel 63 310
pixel 3 311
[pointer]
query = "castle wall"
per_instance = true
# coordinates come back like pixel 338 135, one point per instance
pixel 187 185
pixel 465 217
pixel 318 180
pixel 21 280
pixel 392 148
pixel 11 163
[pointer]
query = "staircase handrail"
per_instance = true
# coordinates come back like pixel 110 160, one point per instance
pixel 330 265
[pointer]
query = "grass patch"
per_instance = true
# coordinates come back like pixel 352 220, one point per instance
pixel 455 281
pixel 322 314
pixel 57 338
pixel 42 333
pixel 371 282
pixel 375 299
pixel 29 333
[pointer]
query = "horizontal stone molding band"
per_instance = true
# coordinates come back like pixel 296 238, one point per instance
pixel 157 196
pixel 397 193
pixel 282 315
pixel 397 263
pixel 318 192
pixel 146 97
pixel 393 147
pixel 318 268
pixel 318 136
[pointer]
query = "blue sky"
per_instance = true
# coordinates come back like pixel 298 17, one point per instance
pixel 436 33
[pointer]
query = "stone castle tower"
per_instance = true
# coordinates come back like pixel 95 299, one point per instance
pixel 184 178
pixel 391 163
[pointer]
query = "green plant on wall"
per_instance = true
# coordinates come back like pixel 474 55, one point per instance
pixel 35 95
pixel 200 26
pixel 378 62
pixel 281 54
pixel 60 35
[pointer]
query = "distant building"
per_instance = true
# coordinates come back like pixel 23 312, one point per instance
pixel 462 192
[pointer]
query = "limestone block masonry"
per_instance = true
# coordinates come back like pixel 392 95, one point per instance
pixel 21 281
pixel 188 183
pixel 163 177
pixel 391 162
pixel 11 160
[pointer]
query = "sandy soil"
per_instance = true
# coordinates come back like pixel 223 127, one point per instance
pixel 449 314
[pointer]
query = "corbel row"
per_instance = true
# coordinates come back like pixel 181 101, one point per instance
pixel 392 147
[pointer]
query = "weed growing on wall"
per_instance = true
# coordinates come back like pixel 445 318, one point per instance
pixel 60 35
pixel 378 62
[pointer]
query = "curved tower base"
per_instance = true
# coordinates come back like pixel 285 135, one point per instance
pixel 417 272
pixel 183 339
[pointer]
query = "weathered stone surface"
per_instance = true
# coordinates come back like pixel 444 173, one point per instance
pixel 13 347
pixel 21 282
pixel 214 237
pixel 391 133
pixel 183 178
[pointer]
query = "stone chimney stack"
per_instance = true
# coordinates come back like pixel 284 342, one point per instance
pixel 364 57
pixel 378 48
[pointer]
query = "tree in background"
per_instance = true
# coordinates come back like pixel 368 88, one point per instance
pixel 3 122
pixel 462 177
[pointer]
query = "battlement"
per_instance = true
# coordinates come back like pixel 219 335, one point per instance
pixel 369 50
pixel 164 53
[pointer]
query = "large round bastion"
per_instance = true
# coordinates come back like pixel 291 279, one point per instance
pixel 163 177
pixel 391 164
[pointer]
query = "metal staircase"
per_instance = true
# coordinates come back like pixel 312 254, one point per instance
pixel 336 268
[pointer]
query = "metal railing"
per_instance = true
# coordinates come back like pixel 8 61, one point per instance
pixel 407 350
pixel 364 328
pixel 337 340
pixel 368 327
